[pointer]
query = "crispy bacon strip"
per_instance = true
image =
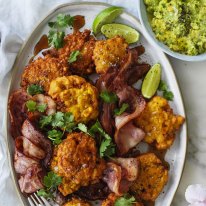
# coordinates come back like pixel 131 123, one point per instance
pixel 32 180
pixel 120 173
pixel 37 138
pixel 16 107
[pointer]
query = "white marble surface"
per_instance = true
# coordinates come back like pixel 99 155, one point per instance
pixel 192 82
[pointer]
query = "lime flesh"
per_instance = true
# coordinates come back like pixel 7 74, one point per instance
pixel 105 17
pixel 151 81
pixel 128 33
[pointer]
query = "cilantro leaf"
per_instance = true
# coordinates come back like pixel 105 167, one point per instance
pixel 162 86
pixel 45 194
pixel 41 107
pixel 107 148
pixel 56 38
pixel 55 136
pixel 62 21
pixel 45 121
pixel 69 123
pixel 73 56
pixel 166 93
pixel 31 105
pixel 58 120
pixel 119 111
pixel 34 89
pixel 108 97
pixel 126 200
pixel 83 128
pixel 52 180
pixel 97 128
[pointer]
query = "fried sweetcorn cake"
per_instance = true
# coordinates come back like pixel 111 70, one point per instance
pixel 159 123
pixel 74 94
pixel 108 53
pixel 42 71
pixel 111 199
pixel 75 159
pixel 152 178
pixel 84 43
pixel 77 202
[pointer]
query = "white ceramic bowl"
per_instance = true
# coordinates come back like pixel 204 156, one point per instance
pixel 152 39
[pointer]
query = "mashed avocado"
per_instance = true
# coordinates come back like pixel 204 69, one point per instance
pixel 180 24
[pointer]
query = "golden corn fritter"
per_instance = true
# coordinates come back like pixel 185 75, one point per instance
pixel 77 96
pixel 152 178
pixel 159 123
pixel 83 42
pixel 77 202
pixel 42 71
pixel 108 53
pixel 77 162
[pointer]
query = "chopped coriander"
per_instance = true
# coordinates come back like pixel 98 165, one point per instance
pixel 45 194
pixel 31 105
pixel 126 200
pixel 58 120
pixel 108 97
pixel 107 147
pixel 64 121
pixel 167 94
pixel 51 182
pixel 45 121
pixel 83 128
pixel 34 89
pixel 56 38
pixel 97 128
pixel 62 21
pixel 73 56
pixel 55 136
pixel 41 107
pixel 119 111
pixel 162 86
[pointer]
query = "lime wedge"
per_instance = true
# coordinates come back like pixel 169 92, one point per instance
pixel 111 30
pixel 151 81
pixel 105 17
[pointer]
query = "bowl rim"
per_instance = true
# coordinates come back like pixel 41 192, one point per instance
pixel 152 39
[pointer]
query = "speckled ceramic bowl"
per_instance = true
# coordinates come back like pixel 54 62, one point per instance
pixel 152 39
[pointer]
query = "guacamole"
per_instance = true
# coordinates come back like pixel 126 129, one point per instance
pixel 180 24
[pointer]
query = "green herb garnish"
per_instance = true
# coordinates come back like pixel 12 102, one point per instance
pixel 57 33
pixel 107 147
pixel 167 94
pixel 123 108
pixel 73 56
pixel 32 106
pixel 62 21
pixel 55 136
pixel 126 200
pixel 34 89
pixel 51 182
pixel 56 38
pixel 108 97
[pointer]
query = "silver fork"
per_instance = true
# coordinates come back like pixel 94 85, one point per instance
pixel 35 200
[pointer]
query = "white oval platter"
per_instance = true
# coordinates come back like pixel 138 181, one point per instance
pixel 176 154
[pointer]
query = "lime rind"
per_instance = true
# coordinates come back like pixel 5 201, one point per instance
pixel 151 81
pixel 106 16
pixel 128 33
